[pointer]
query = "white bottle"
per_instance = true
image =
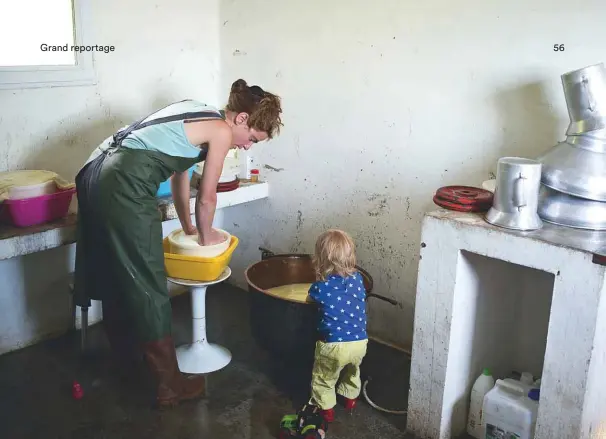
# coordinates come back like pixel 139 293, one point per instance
pixel 484 383
pixel 246 164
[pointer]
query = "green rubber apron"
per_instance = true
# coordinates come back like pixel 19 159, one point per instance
pixel 119 252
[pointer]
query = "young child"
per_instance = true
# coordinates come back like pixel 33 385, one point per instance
pixel 341 346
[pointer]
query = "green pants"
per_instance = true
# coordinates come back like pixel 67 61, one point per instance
pixel 334 360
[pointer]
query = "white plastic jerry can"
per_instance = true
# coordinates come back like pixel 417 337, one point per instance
pixel 510 410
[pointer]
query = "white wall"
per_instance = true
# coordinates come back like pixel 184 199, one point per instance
pixel 384 103
pixel 166 50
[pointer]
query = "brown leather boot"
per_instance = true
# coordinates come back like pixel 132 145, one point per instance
pixel 173 386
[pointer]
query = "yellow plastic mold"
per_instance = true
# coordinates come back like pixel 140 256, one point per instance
pixel 197 268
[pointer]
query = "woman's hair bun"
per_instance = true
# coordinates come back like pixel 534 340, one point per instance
pixel 239 86
pixel 257 91
pixel 263 108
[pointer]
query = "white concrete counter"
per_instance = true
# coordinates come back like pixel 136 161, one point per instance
pixel 15 242
pixel 593 242
pixel 245 193
pixel 492 297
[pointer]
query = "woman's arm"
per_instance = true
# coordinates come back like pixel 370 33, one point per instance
pixel 181 194
pixel 206 200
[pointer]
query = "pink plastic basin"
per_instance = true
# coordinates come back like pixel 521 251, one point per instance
pixel 37 210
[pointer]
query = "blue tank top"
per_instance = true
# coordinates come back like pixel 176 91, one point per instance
pixel 168 137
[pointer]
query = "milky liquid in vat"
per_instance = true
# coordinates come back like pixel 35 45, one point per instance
pixel 292 292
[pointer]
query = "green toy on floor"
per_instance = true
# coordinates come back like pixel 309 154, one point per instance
pixel 307 424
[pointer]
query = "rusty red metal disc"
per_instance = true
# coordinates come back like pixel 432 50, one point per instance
pixel 465 195
pixel 463 198
pixel 228 186
pixel 229 183
pixel 459 207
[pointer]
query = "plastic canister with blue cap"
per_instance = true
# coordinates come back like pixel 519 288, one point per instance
pixel 510 410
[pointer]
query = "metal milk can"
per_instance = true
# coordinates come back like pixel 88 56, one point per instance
pixel 516 194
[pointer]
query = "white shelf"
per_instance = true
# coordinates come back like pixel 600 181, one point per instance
pixel 244 194
pixel 15 242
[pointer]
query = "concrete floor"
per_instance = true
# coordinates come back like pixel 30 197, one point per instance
pixel 245 400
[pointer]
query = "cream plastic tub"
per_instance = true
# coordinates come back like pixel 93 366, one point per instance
pixel 24 184
pixel 187 245
pixel 32 190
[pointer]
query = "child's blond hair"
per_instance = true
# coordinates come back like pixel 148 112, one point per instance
pixel 334 254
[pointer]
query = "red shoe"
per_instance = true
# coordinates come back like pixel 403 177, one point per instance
pixel 350 404
pixel 328 415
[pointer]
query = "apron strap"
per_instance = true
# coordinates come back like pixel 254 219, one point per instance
pixel 121 135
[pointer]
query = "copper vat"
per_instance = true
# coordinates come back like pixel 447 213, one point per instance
pixel 284 328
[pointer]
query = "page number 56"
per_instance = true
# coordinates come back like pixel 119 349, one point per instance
pixel 558 47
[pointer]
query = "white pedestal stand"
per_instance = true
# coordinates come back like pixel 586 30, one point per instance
pixel 201 356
